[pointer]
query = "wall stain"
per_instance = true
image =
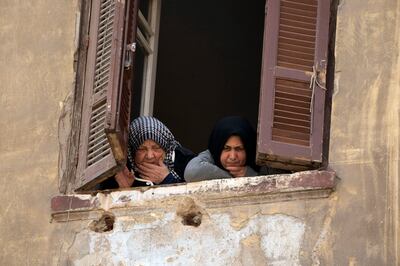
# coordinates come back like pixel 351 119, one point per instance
pixel 323 246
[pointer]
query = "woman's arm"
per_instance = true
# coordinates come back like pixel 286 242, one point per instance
pixel 202 167
pixel 250 171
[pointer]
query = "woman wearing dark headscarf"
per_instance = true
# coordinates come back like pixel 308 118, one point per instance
pixel 231 152
pixel 154 156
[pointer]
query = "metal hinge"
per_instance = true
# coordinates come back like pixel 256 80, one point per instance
pixel 130 49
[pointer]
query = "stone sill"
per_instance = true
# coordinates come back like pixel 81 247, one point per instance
pixel 210 194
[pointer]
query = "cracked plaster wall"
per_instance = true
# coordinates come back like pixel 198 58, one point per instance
pixel 275 239
pixel 280 233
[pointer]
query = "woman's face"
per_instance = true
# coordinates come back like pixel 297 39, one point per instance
pixel 233 153
pixel 149 152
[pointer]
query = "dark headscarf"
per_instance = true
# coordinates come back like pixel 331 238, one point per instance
pixel 233 126
pixel 147 127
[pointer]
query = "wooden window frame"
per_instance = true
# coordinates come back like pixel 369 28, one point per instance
pixel 150 40
pixel 68 182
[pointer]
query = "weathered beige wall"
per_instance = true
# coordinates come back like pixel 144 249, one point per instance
pixel 364 147
pixel 36 75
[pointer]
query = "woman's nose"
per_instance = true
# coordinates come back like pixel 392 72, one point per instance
pixel 232 154
pixel 149 154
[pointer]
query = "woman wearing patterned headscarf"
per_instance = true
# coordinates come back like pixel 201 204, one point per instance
pixel 231 152
pixel 154 156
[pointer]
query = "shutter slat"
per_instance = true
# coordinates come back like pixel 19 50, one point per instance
pixel 296 54
pixel 298 12
pixel 296 42
pixel 99 110
pixel 295 91
pixel 298 24
pixel 293 96
pixel 282 107
pixel 290 134
pixel 293 84
pixel 295 28
pixel 303 6
pixel 290 127
pixel 304 64
pixel 96 136
pixel 97 124
pixel 292 121
pixel 290 140
pixel 293 35
pixel 290 102
pixel 104 54
pixel 284 113
pixel 298 17
pixel 98 155
pixel 97 144
pixel 301 49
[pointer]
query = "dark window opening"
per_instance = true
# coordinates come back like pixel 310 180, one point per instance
pixel 209 63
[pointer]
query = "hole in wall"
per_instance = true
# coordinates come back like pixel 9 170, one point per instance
pixel 192 219
pixel 190 213
pixel 104 224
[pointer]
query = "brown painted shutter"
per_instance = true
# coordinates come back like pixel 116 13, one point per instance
pixel 106 107
pixel 292 99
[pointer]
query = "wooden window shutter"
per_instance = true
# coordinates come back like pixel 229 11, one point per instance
pixel 292 98
pixel 107 91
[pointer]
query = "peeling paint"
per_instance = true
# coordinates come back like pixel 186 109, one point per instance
pixel 167 242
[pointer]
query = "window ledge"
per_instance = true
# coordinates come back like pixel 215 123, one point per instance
pixel 211 194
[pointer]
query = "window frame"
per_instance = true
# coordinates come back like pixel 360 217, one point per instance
pixel 148 41
pixel 69 180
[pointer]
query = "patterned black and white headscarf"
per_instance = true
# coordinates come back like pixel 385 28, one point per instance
pixel 146 127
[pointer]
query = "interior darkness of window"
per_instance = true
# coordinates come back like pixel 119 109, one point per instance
pixel 139 69
pixel 137 83
pixel 209 64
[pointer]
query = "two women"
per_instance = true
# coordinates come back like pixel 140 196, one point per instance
pixel 155 157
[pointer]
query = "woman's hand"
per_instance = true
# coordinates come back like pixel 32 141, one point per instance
pixel 125 178
pixel 156 173
pixel 236 171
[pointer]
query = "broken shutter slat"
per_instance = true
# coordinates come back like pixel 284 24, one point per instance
pixel 292 95
pixel 103 140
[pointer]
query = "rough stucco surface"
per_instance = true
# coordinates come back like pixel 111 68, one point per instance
pixel 364 141
pixel 217 242
pixel 260 234
pixel 36 75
